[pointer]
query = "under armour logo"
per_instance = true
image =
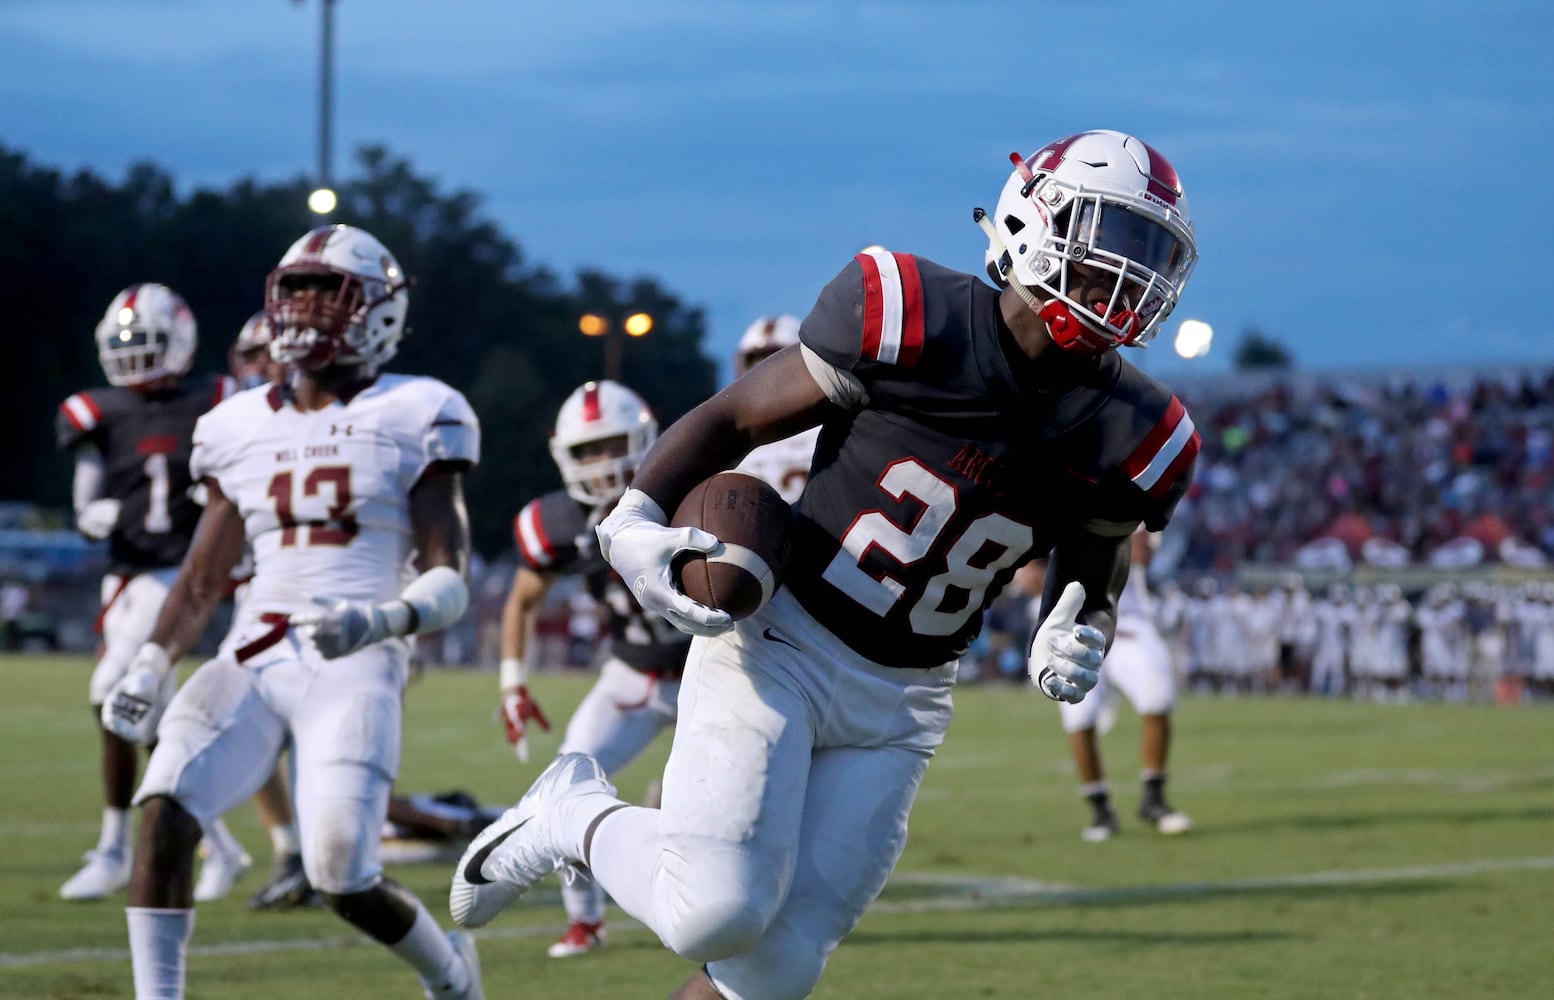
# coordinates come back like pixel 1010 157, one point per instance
pixel 338 429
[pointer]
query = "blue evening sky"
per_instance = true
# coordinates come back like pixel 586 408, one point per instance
pixel 1369 179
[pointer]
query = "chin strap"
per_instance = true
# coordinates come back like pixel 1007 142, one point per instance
pixel 1067 331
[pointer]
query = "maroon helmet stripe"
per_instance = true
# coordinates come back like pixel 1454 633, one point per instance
pixel 1163 181
pixel 134 293
pixel 316 240
pixel 591 410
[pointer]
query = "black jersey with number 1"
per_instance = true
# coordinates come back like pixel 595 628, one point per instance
pixel 966 460
pixel 145 439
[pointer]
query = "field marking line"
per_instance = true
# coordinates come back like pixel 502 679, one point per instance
pixel 959 893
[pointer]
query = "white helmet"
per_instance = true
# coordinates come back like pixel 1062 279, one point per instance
pixel 765 337
pixel 1107 201
pixel 248 359
pixel 360 314
pixel 598 412
pixel 147 332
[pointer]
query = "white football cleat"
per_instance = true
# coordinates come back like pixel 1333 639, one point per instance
pixel 1101 829
pixel 219 873
pixel 1165 819
pixel 105 873
pixel 463 946
pixel 580 939
pixel 508 857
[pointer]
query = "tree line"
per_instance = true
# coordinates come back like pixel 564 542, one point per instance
pixel 482 318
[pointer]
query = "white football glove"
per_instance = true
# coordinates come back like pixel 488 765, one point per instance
pixel 1065 656
pixel 340 627
pixel 97 519
pixel 635 540
pixel 135 704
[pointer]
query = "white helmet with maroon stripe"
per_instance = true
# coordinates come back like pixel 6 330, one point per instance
pixel 338 297
pixel 765 337
pixel 147 332
pixel 603 432
pixel 1106 201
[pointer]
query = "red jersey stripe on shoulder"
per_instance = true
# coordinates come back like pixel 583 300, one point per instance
pixel 533 544
pixel 1179 464
pixel 892 308
pixel 82 412
pixel 1173 434
pixel 873 306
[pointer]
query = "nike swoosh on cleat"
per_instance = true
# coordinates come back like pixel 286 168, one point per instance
pixel 472 872
pixel 774 637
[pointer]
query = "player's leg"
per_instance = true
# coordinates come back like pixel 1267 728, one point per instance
pixel 288 885
pixel 620 716
pixel 131 606
pixel 853 832
pixel 346 739
pixel 215 745
pixel 1079 723
pixel 1143 675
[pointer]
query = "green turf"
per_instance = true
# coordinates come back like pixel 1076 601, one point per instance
pixel 1343 850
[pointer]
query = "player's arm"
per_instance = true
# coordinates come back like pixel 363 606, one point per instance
pixel 1085 577
pixel 518 707
pixel 434 600
pixel 133 707
pixel 96 514
pixel 775 399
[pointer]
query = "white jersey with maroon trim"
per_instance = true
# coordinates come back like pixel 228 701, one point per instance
pixel 957 459
pixel 144 439
pixel 784 464
pixel 324 494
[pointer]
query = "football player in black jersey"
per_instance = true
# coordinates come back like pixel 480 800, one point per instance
pixel 131 443
pixel 602 433
pixel 965 429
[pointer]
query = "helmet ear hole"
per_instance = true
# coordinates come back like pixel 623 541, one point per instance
pixel 1013 223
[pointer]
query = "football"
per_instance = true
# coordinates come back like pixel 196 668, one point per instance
pixel 752 521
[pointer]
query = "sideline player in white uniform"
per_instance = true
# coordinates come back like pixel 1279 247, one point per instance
pixel 345 482
pixel 964 430
pixel 1138 665
pixel 603 430
pixel 130 444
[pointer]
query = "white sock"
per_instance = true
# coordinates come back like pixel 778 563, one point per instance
pixel 284 839
pixel 159 943
pixel 115 833
pixel 584 901
pixel 426 949
pixel 624 858
pixel 222 841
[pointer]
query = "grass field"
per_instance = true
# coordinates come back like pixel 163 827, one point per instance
pixel 1343 850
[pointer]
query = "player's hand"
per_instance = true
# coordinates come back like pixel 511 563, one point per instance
pixel 519 709
pixel 340 627
pixel 635 540
pixel 98 518
pixel 1066 656
pixel 135 704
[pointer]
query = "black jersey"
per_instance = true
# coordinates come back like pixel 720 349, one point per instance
pixel 145 440
pixel 555 535
pixel 960 465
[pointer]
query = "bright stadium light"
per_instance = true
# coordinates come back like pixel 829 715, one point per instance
pixel 322 201
pixel 1193 338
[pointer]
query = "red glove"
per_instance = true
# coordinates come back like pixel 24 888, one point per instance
pixel 518 710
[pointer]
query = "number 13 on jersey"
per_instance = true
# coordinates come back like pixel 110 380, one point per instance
pixel 329 484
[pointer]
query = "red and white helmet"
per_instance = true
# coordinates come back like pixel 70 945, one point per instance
pixel 595 414
pixel 147 332
pixel 248 359
pixel 359 315
pixel 1109 202
pixel 765 337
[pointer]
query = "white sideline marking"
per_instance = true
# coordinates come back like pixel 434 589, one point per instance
pixel 960 893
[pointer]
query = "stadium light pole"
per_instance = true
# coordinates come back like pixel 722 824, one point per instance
pixel 323 200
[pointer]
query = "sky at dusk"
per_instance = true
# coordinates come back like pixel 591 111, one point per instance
pixel 1368 179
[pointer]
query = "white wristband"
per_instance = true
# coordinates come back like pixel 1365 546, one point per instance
pixel 152 657
pixel 512 673
pixel 433 600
